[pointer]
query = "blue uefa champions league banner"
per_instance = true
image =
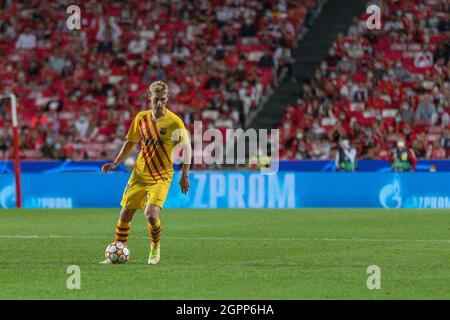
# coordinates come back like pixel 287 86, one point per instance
pixel 299 165
pixel 239 190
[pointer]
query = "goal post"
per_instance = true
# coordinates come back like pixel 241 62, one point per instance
pixel 16 147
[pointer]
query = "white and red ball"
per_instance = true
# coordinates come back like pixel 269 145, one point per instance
pixel 117 252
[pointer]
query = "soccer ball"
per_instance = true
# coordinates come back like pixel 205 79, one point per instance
pixel 117 252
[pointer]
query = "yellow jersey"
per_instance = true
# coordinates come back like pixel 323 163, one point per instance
pixel 154 162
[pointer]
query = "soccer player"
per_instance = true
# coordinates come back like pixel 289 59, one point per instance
pixel 159 130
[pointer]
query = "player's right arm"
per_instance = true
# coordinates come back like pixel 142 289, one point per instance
pixel 132 139
pixel 127 147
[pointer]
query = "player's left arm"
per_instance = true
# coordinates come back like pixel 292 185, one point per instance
pixel 185 143
pixel 184 180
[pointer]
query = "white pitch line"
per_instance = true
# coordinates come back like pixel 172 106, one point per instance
pixel 25 237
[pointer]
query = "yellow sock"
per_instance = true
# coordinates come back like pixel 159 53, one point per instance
pixel 122 231
pixel 155 232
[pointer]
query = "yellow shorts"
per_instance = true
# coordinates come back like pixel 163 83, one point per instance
pixel 138 194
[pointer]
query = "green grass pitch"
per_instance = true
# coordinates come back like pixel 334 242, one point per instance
pixel 229 254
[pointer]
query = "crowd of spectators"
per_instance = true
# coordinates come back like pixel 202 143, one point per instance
pixel 376 87
pixel 78 90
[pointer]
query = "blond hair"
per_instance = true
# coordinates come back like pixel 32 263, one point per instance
pixel 158 87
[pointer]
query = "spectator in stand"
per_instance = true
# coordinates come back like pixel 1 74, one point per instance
pixel 38 118
pixel 266 60
pixel 182 52
pixel 407 114
pixel 223 122
pixel 106 45
pixel 97 88
pixel 445 141
pixel 435 151
pixel 425 110
pixel 229 37
pixel 349 90
pixel 138 45
pixel 402 73
pixel 27 40
pixel 108 30
pixel 346 66
pixel 83 126
pixel 9 30
pixel 214 81
pixel 248 29
pixel 53 125
pixel 152 73
pixel 283 61
pixel 5 139
pixel 48 148
pixel 356 29
pixel 58 151
pixel 58 62
pixel 34 69
pixel 444 24
pixel 332 58
pixel 236 104
pixel 440 117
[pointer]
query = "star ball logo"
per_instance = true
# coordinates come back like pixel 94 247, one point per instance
pixel 374 20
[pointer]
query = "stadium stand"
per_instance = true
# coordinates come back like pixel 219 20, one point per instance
pixel 79 89
pixel 376 87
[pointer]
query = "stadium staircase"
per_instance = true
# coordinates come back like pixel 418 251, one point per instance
pixel 336 17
